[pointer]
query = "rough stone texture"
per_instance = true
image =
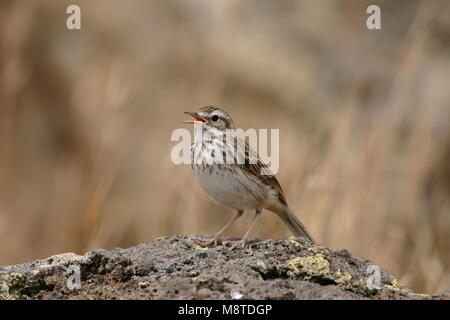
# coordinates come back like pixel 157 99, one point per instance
pixel 177 268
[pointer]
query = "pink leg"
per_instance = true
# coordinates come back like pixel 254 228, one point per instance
pixel 244 240
pixel 218 236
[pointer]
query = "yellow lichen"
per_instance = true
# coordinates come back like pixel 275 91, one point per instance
pixel 197 247
pixel 342 276
pixel 394 285
pixel 143 284
pixel 316 266
pixel 313 266
pixel 9 284
pixel 4 292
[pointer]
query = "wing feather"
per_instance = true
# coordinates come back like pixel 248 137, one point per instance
pixel 253 165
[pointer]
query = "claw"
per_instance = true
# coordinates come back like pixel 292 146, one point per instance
pixel 208 243
pixel 239 243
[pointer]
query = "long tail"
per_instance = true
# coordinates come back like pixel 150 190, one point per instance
pixel 293 223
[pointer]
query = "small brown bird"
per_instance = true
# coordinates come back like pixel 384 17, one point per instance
pixel 236 184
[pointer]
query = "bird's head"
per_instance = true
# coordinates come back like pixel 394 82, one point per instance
pixel 214 117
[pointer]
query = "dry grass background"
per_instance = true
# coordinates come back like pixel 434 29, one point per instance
pixel 86 118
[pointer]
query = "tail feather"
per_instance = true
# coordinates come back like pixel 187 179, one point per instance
pixel 294 224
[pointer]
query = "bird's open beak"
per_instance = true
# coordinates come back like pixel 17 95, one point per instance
pixel 196 118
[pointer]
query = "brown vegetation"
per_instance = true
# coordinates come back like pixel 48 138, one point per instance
pixel 86 118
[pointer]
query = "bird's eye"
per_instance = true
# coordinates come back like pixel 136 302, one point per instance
pixel 215 118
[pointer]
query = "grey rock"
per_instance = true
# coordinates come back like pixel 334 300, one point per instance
pixel 176 268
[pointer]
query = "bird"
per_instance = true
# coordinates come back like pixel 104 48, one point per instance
pixel 232 173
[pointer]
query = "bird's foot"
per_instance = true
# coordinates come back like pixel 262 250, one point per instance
pixel 208 243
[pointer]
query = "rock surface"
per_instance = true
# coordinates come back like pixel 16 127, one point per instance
pixel 177 268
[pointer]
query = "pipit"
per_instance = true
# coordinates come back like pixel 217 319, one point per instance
pixel 234 176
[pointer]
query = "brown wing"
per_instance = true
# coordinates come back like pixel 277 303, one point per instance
pixel 270 180
pixel 257 168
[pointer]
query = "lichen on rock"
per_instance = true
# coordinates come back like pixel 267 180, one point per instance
pixel 316 268
pixel 10 284
pixel 176 268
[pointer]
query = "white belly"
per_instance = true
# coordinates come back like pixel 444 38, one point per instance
pixel 230 189
pixel 225 186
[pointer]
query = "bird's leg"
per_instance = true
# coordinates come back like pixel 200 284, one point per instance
pixel 244 240
pixel 218 236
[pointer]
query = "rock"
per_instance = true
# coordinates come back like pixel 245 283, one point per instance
pixel 177 268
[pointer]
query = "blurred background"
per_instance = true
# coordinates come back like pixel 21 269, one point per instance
pixel 86 118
